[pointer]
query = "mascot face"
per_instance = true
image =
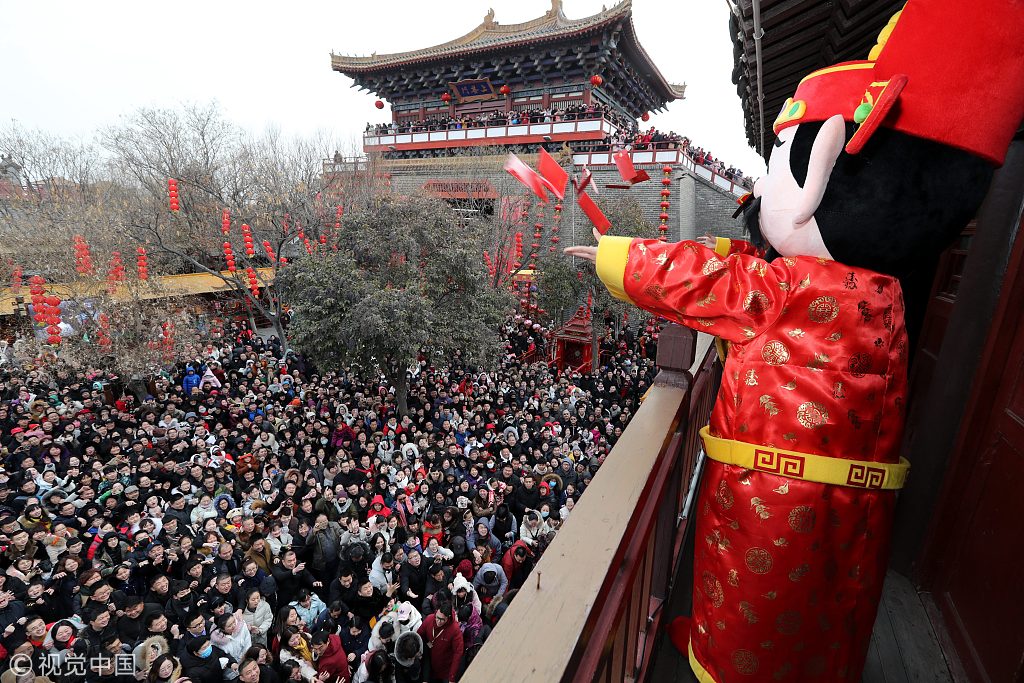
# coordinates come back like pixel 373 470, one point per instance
pixel 786 206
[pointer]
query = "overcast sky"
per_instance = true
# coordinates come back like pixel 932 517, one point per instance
pixel 73 67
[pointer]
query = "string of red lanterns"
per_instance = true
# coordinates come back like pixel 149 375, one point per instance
pixel 555 226
pixel 666 182
pixel 115 272
pixel 142 263
pixel 46 309
pixel 83 259
pixel 250 250
pixel 225 222
pixel 16 276
pixel 270 250
pixel 254 285
pixel 229 256
pixel 172 194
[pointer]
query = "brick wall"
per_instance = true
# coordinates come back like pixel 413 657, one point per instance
pixel 696 206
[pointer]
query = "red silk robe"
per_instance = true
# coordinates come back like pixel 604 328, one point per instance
pixel 787 573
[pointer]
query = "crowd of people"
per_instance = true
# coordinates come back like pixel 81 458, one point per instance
pixel 572 112
pixel 628 135
pixel 246 517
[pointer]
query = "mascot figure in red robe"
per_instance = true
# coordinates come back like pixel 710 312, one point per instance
pixel 877 166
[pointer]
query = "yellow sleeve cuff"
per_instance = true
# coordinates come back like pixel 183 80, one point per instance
pixel 612 255
pixel 722 246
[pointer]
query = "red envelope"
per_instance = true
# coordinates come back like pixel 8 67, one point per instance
pixel 591 211
pixel 527 176
pixel 554 176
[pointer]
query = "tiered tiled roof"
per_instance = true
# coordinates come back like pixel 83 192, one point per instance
pixel 489 36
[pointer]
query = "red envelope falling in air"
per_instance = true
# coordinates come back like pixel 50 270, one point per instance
pixel 554 176
pixel 628 172
pixel 585 179
pixel 527 176
pixel 591 210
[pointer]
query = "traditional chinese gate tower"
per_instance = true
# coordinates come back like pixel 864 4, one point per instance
pixel 548 63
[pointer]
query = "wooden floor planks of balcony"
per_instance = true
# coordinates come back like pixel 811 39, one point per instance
pixel 904 647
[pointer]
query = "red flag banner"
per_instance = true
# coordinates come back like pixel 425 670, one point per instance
pixel 591 210
pixel 527 176
pixel 555 177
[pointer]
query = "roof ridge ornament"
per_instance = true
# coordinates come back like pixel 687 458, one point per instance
pixel 489 18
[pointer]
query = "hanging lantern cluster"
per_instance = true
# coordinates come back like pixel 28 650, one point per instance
pixel 115 272
pixel 492 269
pixel 555 227
pixel 538 233
pixel 167 339
pixel 338 213
pixel 250 250
pixel 305 241
pixel 270 250
pixel 666 182
pixel 229 256
pixel 225 221
pixel 103 330
pixel 16 280
pixel 83 259
pixel 596 80
pixel 172 194
pixel 142 263
pixel 285 228
pixel 46 310
pixel 254 285
pixel 517 260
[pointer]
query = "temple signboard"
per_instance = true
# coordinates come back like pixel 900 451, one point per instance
pixel 473 90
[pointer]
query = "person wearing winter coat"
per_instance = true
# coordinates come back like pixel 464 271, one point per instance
pixel 492 578
pixel 516 563
pixel 534 530
pixel 331 659
pixel 200 661
pixel 258 616
pixel 309 606
pixel 403 618
pixel 463 592
pixel 481 535
pixel 231 634
pixel 383 572
pixel 442 637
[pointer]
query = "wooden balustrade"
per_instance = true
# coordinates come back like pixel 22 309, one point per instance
pixel 592 607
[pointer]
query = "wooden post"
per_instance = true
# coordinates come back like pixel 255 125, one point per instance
pixel 677 348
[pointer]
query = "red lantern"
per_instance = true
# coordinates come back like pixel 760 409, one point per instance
pixel 504 90
pixel 446 97
pixel 378 104
pixel 645 116
pixel 596 80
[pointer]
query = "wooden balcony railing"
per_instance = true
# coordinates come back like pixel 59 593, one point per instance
pixel 591 610
pixel 518 134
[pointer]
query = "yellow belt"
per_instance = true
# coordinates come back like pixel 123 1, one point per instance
pixel 859 474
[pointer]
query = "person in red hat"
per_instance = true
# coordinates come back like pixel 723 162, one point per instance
pixel 877 166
